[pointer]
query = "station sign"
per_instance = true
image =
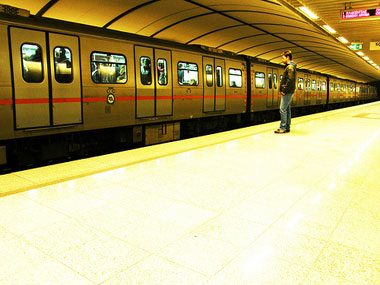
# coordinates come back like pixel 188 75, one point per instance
pixel 374 45
pixel 360 14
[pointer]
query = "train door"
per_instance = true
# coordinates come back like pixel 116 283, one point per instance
pixel 214 98
pixel 272 96
pixel 154 91
pixel 46 92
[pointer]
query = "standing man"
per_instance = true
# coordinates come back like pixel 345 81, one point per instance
pixel 287 87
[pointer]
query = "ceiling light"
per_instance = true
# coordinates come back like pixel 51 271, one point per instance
pixel 374 64
pixel 331 30
pixel 343 40
pixel 366 58
pixel 308 13
pixel 370 61
pixel 360 53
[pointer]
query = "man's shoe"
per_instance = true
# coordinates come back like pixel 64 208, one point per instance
pixel 280 131
pixel 287 131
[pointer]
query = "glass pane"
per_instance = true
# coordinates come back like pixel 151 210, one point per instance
pixel 260 80
pixel 63 65
pixel 32 63
pixel 275 81
pixel 162 71
pixel 300 84
pixel 209 78
pixel 187 74
pixel 108 68
pixel 313 85
pixel 219 76
pixel 145 70
pixel 235 78
pixel 270 80
pixel 324 86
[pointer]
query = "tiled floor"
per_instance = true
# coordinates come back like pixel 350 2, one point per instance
pixel 297 208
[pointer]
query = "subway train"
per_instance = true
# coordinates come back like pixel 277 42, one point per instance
pixel 69 90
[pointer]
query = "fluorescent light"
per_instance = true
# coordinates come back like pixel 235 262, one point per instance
pixel 374 64
pixel 343 40
pixel 366 58
pixel 331 30
pixel 308 13
pixel 360 53
pixel 370 61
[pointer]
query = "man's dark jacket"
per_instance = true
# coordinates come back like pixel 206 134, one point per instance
pixel 288 82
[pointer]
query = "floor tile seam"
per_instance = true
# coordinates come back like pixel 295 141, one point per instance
pixel 39 185
pixel 332 275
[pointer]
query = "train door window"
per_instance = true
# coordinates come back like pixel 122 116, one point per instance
pixel 260 80
pixel 275 81
pixel 308 87
pixel 319 85
pixel 187 74
pixel 270 80
pixel 63 65
pixel 235 77
pixel 219 76
pixel 313 85
pixel 162 71
pixel 300 83
pixel 323 85
pixel 32 63
pixel 331 87
pixel 209 79
pixel 145 70
pixel 108 68
pixel 338 87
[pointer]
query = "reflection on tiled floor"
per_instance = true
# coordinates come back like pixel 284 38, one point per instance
pixel 297 208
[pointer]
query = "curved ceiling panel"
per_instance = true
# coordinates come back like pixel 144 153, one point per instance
pixel 256 28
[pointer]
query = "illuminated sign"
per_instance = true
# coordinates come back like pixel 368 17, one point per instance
pixel 374 46
pixel 360 14
pixel 356 46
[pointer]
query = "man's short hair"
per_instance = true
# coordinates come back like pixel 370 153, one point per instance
pixel 288 53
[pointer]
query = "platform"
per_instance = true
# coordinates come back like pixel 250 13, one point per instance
pixel 241 207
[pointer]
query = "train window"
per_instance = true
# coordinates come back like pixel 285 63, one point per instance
pixel 219 76
pixel 331 87
pixel 209 79
pixel 260 80
pixel 300 83
pixel 275 81
pixel 63 65
pixel 145 70
pixel 235 77
pixel 32 71
pixel 308 86
pixel 108 68
pixel 338 87
pixel 162 71
pixel 313 85
pixel 187 73
pixel 319 85
pixel 270 80
pixel 323 85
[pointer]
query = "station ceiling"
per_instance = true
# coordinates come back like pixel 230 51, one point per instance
pixel 257 28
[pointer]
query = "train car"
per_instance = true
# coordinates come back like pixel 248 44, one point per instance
pixel 67 89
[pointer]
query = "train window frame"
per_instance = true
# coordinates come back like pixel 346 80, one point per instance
pixel 148 79
pixel 324 85
pixel 300 83
pixel 165 72
pixel 275 82
pixel 313 85
pixel 185 66
pixel 23 66
pixel 208 68
pixel 256 77
pixel 69 64
pixel 270 80
pixel 239 74
pixel 107 54
pixel 219 77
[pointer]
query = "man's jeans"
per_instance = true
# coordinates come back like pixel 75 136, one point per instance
pixel 285 111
